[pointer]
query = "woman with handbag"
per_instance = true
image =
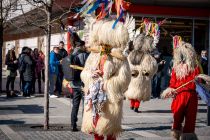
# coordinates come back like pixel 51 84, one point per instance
pixel 12 66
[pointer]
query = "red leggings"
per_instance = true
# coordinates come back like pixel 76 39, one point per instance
pixel 184 106
pixel 135 103
pixel 110 137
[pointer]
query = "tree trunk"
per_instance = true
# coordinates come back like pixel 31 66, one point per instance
pixel 1 43
pixel 47 51
pixel 1 46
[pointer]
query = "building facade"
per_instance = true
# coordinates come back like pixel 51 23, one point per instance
pixel 188 18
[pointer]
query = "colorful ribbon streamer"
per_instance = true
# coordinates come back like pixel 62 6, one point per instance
pixel 176 41
pixel 105 7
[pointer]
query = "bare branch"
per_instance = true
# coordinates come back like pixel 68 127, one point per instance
pixel 31 23
pixel 40 1
pixel 17 27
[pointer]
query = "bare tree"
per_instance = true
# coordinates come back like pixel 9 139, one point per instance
pixel 43 9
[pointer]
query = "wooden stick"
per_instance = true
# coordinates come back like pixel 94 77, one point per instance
pixel 113 54
pixel 76 67
pixel 184 85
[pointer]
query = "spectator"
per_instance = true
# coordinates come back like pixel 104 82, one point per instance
pixel 39 64
pixel 156 82
pixel 79 57
pixel 43 68
pixel 27 70
pixel 33 71
pixel 12 66
pixel 20 60
pixel 54 62
pixel 61 54
pixel 204 61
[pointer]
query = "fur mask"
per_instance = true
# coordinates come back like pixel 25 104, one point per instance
pixel 184 60
pixel 102 33
pixel 143 43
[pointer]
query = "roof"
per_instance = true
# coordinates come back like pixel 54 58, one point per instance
pixel 21 26
pixel 175 3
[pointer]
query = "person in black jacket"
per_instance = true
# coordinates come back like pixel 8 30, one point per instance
pixel 204 61
pixel 156 81
pixel 20 59
pixel 28 72
pixel 61 54
pixel 12 66
pixel 79 57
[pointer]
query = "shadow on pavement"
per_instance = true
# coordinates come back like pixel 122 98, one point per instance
pixel 149 128
pixel 157 111
pixel 169 111
pixel 26 109
pixel 11 122
pixel 202 105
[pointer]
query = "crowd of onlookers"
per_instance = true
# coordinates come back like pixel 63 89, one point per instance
pixel 30 65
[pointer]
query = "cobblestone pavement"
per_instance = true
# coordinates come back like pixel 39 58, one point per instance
pixel 153 123
pixel 3 136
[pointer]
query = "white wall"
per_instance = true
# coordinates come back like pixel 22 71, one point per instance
pixel 33 42
pixel 29 42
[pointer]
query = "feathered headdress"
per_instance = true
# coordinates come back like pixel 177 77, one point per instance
pixel 150 28
pixel 101 32
pixel 105 7
pixel 176 41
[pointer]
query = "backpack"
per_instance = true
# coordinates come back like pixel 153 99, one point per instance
pixel 67 70
pixel 21 64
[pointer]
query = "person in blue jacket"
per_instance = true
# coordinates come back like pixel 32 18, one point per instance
pixel 54 63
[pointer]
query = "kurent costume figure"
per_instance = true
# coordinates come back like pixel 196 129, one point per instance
pixel 143 67
pixel 107 61
pixel 185 101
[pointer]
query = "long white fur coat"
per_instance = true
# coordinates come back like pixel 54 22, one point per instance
pixel 143 67
pixel 117 77
pixel 140 86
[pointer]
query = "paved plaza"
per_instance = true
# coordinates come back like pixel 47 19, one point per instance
pixel 21 119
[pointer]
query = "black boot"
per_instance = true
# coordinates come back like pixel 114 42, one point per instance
pixel 74 129
pixel 8 94
pixel 14 94
pixel 137 110
pixel 131 108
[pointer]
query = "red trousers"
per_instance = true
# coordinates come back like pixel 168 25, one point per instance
pixel 184 106
pixel 135 103
pixel 110 137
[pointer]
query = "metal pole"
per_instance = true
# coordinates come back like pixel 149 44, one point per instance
pixel 208 108
pixel 193 32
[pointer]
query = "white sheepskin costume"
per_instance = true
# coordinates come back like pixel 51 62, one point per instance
pixel 116 77
pixel 143 67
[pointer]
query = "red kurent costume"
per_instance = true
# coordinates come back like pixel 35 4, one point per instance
pixel 183 89
pixel 184 105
